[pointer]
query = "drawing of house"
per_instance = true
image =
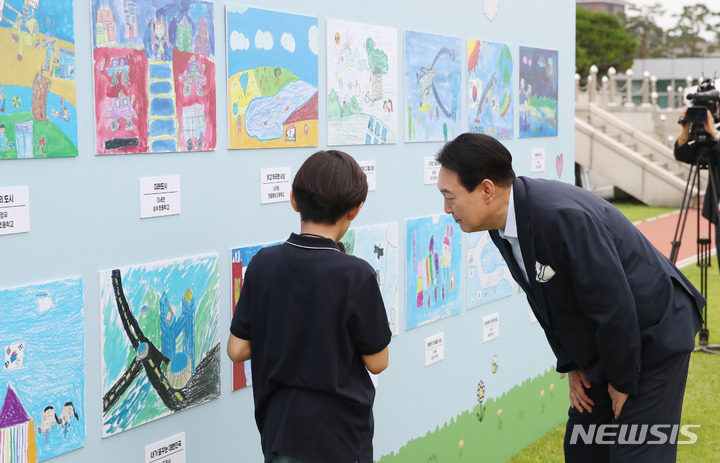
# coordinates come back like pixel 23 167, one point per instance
pixel 17 431
pixel 24 139
pixel 66 66
pixel 130 12
pixel 202 41
pixel 184 35
pixel 105 26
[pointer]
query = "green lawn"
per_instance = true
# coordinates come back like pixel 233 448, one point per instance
pixel 702 395
pixel 636 212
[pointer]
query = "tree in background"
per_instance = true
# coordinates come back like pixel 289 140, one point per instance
pixel 641 23
pixel 686 38
pixel 601 39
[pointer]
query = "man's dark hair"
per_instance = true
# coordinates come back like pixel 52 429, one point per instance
pixel 476 157
pixel 327 186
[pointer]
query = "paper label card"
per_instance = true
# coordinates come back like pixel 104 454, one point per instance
pixel 432 170
pixel 159 196
pixel 538 160
pixel 434 348
pixel 369 168
pixel 14 210
pixel 491 327
pixel 171 450
pixel 275 185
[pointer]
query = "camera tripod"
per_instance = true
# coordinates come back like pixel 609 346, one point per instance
pixel 704 251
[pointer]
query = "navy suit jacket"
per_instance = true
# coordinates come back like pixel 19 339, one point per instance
pixel 614 302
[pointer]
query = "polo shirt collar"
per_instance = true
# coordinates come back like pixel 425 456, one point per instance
pixel 312 242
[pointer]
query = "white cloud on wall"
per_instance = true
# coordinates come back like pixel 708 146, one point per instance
pixel 238 41
pixel 263 40
pixel 288 42
pixel 313 39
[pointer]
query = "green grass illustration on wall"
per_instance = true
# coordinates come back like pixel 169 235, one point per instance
pixel 510 423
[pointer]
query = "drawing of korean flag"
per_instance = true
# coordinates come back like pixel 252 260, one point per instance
pixel 14 356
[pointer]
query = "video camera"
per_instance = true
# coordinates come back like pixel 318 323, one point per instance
pixel 706 98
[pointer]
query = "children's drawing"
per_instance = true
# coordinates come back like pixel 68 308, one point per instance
pixel 38 118
pixel 242 375
pixel 42 377
pixel 154 76
pixel 490 100
pixel 488 277
pixel 378 245
pixel 362 73
pixel 160 340
pixel 538 92
pixel 433 76
pixel 272 61
pixel 433 246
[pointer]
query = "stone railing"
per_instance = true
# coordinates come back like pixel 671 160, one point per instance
pixel 636 106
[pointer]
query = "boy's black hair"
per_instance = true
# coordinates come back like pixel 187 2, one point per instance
pixel 327 186
pixel 476 157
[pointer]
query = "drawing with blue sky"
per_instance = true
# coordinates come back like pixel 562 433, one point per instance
pixel 272 62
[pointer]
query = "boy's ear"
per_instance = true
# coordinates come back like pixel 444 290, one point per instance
pixel 292 201
pixel 353 212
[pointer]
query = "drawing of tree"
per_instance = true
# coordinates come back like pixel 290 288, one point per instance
pixel 378 61
pixel 278 71
pixel 334 109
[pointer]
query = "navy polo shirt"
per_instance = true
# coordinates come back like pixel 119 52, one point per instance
pixel 310 311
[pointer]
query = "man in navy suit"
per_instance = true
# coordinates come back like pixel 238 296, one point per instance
pixel 619 316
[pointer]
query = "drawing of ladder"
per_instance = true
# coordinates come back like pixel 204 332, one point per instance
pixel 162 129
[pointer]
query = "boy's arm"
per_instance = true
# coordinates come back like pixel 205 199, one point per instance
pixel 376 363
pixel 238 349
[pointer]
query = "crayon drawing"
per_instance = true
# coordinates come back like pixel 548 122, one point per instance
pixel 38 115
pixel 154 76
pixel 42 377
pixel 378 245
pixel 160 340
pixel 242 375
pixel 490 99
pixel 488 276
pixel 433 77
pixel 538 92
pixel 362 74
pixel 272 62
pixel 433 254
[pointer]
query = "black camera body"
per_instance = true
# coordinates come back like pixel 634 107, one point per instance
pixel 706 98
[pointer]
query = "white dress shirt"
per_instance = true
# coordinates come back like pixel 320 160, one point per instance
pixel 510 234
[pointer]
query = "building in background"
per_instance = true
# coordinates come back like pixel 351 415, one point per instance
pixel 609 7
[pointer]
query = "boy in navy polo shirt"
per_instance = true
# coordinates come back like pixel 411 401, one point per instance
pixel 316 322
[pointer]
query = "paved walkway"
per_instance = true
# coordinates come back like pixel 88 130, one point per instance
pixel 661 231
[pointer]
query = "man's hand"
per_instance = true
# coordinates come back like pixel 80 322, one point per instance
pixel 579 399
pixel 685 133
pixel 709 125
pixel 618 400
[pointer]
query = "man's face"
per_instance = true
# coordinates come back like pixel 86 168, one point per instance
pixel 469 208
